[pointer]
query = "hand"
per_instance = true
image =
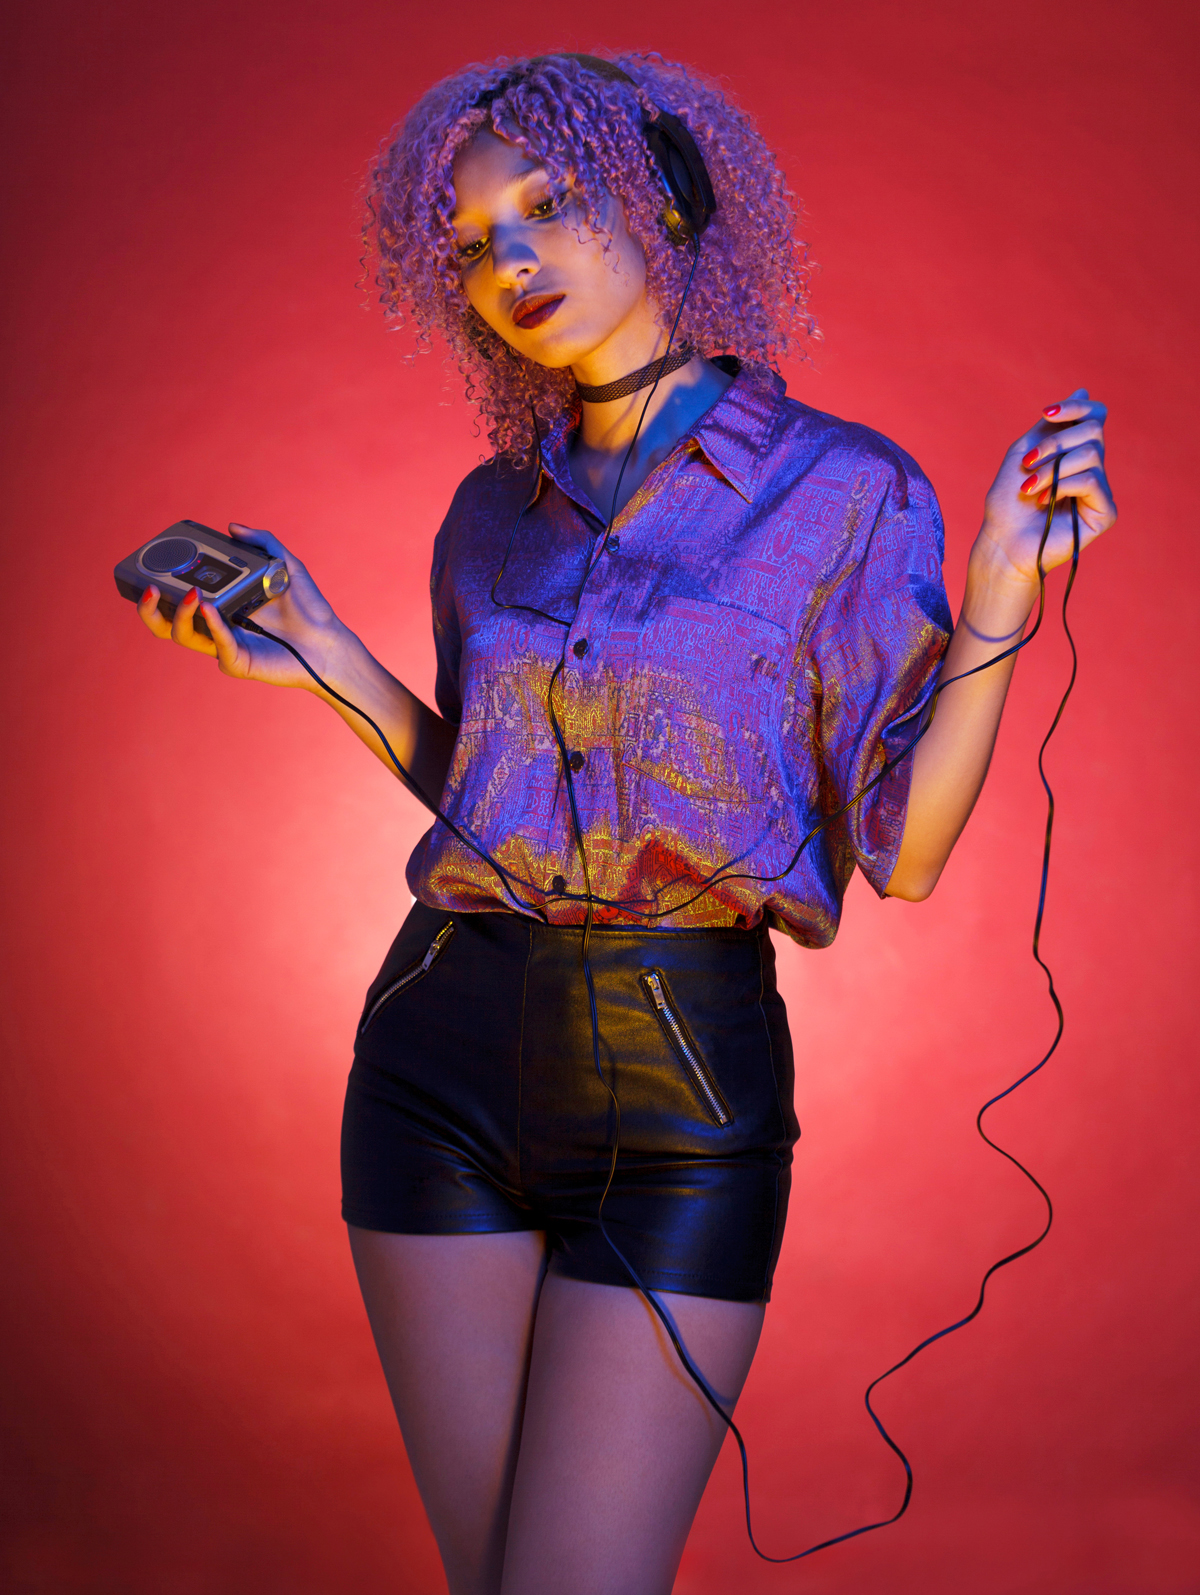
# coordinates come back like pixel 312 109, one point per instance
pixel 1014 510
pixel 301 615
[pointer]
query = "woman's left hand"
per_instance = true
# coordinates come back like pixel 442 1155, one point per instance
pixel 1015 508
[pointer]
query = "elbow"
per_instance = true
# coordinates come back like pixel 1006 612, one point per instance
pixel 912 885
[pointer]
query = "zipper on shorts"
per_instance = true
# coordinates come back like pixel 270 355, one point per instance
pixel 413 973
pixel 685 1047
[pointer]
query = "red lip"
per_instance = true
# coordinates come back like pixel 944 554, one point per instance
pixel 537 308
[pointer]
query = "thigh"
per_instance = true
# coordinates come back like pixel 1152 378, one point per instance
pixel 617 1443
pixel 452 1317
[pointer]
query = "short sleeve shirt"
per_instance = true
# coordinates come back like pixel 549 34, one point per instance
pixel 731 662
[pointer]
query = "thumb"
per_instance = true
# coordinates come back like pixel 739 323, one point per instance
pixel 258 538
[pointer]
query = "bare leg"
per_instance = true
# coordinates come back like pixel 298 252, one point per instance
pixel 617 1443
pixel 452 1317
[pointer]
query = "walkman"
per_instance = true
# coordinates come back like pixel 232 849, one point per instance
pixel 235 577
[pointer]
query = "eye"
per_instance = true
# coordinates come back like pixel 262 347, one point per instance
pixel 550 204
pixel 474 250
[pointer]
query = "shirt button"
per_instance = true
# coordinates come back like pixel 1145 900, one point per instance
pixel 580 648
pixel 614 544
pixel 558 886
pixel 577 761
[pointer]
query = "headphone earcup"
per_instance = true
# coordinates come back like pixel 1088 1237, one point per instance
pixel 690 198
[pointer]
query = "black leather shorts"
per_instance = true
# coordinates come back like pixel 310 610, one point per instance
pixel 474 1105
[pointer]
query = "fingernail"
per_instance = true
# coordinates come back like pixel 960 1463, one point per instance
pixel 147 595
pixel 1029 459
pixel 1029 483
pixel 1052 409
pixel 193 596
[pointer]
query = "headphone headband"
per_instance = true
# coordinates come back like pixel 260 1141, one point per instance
pixel 691 201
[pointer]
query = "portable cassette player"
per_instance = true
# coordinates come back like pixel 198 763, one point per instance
pixel 234 576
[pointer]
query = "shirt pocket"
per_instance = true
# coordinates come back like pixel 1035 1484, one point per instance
pixel 709 695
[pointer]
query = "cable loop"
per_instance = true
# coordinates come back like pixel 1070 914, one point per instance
pixel 591 901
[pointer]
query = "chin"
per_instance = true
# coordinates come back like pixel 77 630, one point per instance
pixel 560 347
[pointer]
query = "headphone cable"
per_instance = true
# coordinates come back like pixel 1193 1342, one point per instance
pixel 506 878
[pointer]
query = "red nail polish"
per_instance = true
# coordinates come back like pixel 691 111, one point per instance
pixel 146 596
pixel 1052 409
pixel 1029 483
pixel 193 596
pixel 1029 459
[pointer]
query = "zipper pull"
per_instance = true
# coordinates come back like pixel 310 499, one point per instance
pixel 435 946
pixel 656 991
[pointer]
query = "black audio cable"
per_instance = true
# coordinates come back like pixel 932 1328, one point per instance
pixel 506 879
pixel 925 721
pixel 590 900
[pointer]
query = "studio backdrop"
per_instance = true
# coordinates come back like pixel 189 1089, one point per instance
pixel 201 876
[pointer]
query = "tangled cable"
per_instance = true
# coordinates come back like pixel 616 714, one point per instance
pixel 507 882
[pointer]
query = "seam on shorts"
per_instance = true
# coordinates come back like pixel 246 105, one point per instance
pixel 521 1054
pixel 753 1291
pixel 779 1105
pixel 476 1220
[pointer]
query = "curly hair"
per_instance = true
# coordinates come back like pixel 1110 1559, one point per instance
pixel 750 292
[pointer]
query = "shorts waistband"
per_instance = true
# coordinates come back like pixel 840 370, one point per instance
pixel 731 935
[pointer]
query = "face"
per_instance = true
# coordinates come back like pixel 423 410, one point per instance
pixel 537 274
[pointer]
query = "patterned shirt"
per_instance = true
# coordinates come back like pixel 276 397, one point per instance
pixel 756 635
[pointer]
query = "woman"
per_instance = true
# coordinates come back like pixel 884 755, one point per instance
pixel 677 625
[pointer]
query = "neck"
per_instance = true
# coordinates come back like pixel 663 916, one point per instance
pixel 606 431
pixel 647 376
pixel 608 427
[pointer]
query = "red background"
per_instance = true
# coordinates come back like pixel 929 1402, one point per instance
pixel 202 876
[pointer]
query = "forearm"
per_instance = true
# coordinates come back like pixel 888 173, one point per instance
pixel 299 625
pixel 951 760
pixel 421 740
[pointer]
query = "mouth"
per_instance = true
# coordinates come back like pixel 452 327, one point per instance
pixel 537 308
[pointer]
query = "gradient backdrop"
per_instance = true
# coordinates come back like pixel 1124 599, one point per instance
pixel 202 876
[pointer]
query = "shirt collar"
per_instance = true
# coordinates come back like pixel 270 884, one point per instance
pixel 733 435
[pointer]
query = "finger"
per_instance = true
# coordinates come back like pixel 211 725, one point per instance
pixel 148 609
pixel 257 538
pixel 1077 407
pixel 231 656
pixel 1047 447
pixel 183 629
pixel 1093 494
pixel 1088 456
pixel 1056 419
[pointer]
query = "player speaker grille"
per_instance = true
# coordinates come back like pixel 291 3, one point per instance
pixel 168 554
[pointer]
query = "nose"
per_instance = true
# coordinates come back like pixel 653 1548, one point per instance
pixel 514 260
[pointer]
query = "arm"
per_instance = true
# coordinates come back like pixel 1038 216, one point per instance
pixel 422 740
pixel 951 760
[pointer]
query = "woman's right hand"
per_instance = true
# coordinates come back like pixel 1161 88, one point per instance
pixel 301 615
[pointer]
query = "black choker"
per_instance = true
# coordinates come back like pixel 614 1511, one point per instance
pixel 624 386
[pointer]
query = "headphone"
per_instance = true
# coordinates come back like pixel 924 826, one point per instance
pixel 691 202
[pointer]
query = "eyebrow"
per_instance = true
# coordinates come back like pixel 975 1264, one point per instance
pixel 521 172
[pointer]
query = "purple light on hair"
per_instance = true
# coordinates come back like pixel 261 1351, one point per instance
pixel 750 292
